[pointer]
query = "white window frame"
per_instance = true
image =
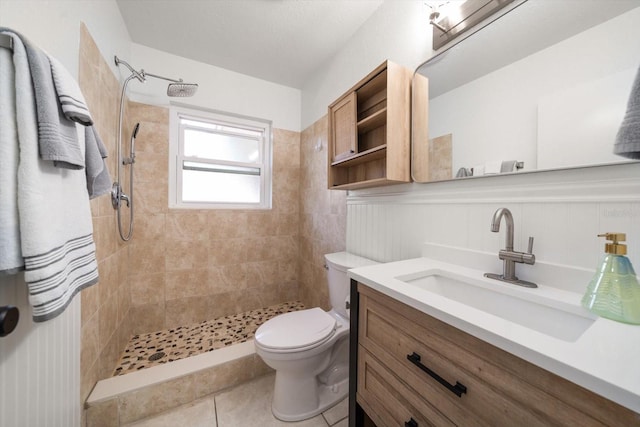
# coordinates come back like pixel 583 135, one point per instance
pixel 176 155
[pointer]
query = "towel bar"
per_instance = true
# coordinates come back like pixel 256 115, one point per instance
pixel 6 41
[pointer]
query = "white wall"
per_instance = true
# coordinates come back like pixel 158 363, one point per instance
pixel 219 89
pixel 398 31
pixel 55 26
pixel 40 363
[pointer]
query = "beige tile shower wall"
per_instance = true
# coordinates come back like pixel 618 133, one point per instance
pixel 322 217
pixel 187 266
pixel 105 307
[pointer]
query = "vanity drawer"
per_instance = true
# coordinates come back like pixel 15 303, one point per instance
pixel 388 400
pixel 501 389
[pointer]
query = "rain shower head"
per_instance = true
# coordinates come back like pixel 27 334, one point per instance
pixel 176 87
pixel 182 89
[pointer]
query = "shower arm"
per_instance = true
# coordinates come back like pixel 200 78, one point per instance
pixel 144 73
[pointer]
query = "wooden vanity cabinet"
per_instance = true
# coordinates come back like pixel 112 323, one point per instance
pixel 414 370
pixel 370 130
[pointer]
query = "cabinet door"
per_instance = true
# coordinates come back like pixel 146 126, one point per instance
pixel 343 127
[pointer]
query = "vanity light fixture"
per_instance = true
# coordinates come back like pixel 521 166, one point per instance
pixel 434 16
pixel 444 11
pixel 451 18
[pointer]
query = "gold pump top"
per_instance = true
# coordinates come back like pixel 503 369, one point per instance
pixel 615 247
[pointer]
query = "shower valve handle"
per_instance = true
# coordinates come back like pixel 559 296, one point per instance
pixel 125 198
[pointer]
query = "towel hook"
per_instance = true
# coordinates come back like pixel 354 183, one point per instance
pixel 9 317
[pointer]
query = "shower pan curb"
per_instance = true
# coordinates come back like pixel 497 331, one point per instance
pixel 137 395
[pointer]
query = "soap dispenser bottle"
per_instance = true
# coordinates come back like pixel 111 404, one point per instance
pixel 614 291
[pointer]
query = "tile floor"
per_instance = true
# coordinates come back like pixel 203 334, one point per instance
pixel 155 348
pixel 248 404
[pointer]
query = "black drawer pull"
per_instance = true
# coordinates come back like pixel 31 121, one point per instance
pixel 411 423
pixel 457 389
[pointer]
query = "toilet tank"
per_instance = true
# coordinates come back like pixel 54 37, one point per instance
pixel 339 283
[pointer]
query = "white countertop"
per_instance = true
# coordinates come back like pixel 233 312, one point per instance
pixel 604 359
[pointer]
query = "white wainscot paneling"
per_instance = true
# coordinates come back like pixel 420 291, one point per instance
pixel 39 364
pixel 563 210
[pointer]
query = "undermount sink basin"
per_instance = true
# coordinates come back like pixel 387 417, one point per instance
pixel 560 320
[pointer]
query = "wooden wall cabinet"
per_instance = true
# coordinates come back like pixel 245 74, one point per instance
pixel 478 384
pixel 370 131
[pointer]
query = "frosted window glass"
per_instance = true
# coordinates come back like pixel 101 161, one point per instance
pixel 201 186
pixel 216 146
pixel 219 161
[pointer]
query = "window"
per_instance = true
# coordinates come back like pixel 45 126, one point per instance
pixel 218 160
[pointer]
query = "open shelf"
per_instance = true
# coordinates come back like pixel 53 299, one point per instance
pixel 377 119
pixel 375 153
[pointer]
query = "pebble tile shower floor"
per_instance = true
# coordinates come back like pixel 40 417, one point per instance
pixel 155 348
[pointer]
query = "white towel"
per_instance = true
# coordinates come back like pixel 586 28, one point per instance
pixel 70 96
pixel 56 231
pixel 10 255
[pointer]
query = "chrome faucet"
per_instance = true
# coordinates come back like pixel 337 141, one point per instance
pixel 508 255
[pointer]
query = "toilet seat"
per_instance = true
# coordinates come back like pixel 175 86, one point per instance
pixel 296 331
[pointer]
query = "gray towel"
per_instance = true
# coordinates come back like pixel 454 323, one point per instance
pixel 98 178
pixel 57 136
pixel 628 138
pixel 508 166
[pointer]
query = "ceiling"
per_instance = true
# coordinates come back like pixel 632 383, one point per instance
pixel 282 41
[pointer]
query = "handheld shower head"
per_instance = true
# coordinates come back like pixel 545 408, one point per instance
pixel 181 89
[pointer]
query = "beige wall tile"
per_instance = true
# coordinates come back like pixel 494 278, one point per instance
pixel 186 283
pixel 150 167
pixel 224 224
pixel 147 318
pixel 188 310
pixel 147 288
pixel 108 270
pixel 151 197
pixel 229 278
pixel 227 251
pixel 108 319
pixel 146 257
pixel 182 255
pixel 149 227
pixel 90 302
pixel 149 113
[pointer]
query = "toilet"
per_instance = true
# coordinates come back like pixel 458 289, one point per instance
pixel 309 349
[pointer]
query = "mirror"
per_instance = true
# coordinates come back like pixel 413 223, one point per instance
pixel 545 86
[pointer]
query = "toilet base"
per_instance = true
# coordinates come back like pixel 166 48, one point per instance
pixel 328 396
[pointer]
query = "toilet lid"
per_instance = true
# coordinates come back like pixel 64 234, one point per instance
pixel 296 329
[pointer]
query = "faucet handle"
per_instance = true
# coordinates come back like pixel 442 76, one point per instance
pixel 530 248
